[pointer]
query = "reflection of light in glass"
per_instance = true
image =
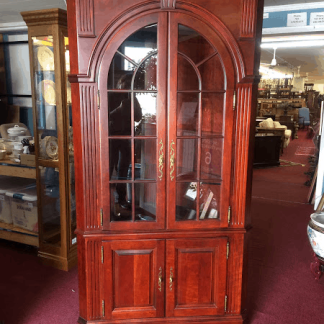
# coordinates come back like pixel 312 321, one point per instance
pixel 67 60
pixel 147 103
pixel 136 54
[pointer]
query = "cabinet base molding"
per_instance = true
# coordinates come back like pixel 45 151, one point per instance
pixel 236 319
pixel 58 262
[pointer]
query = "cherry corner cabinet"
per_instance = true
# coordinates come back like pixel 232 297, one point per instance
pixel 163 93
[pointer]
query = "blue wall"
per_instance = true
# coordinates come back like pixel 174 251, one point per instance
pixel 279 19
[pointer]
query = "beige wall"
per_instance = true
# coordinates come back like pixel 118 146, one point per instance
pixel 319 87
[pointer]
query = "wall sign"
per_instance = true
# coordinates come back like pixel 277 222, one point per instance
pixel 265 15
pixel 317 18
pixel 297 19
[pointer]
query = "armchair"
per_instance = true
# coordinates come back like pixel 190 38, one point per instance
pixel 268 126
pixel 304 117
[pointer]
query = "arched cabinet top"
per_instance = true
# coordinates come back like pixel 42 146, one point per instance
pixel 140 16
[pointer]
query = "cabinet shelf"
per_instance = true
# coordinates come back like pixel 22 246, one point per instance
pixel 9 168
pixel 13 233
pixel 48 163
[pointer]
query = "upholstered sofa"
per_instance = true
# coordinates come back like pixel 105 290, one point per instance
pixel 274 127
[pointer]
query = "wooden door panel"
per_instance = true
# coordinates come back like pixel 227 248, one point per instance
pixel 130 269
pixel 197 277
pixel 131 272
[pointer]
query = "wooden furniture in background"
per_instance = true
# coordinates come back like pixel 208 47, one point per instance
pixel 273 131
pixel 291 124
pixel 49 66
pixel 166 89
pixel 267 150
pixel 276 107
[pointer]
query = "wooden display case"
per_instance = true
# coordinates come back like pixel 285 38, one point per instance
pixel 49 62
pixel 164 93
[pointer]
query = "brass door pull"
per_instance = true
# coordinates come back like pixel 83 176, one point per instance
pixel 172 160
pixel 171 279
pixel 161 160
pixel 160 280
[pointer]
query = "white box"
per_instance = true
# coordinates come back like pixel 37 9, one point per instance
pixel 10 184
pixel 24 208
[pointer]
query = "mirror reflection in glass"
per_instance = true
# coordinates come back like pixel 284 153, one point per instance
pixel 209 201
pixel 120 211
pixel 212 74
pixel 50 205
pixel 186 201
pixel 147 125
pixel 119 158
pixel 195 46
pixel 187 151
pixel 145 78
pixel 119 68
pixel 211 158
pixel 187 76
pixel 212 114
pixel 119 119
pixel 187 114
pixel 145 201
pixel 129 56
pixel 138 45
pixel 145 157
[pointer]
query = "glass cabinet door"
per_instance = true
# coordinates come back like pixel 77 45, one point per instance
pixel 44 79
pixel 136 137
pixel 196 132
pixel 165 110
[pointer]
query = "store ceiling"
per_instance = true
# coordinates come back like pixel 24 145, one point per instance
pixel 310 61
pixel 10 9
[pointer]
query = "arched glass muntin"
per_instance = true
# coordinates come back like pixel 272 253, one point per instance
pixel 137 67
pixel 199 67
pixel 132 122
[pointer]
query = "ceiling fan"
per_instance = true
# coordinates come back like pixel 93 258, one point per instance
pixel 274 61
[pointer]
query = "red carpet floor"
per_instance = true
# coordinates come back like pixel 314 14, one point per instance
pixel 281 288
pixel 31 293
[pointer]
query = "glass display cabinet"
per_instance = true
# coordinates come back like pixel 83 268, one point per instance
pixel 51 90
pixel 164 93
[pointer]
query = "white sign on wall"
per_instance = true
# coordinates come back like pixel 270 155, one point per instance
pixel 317 18
pixel 265 15
pixel 297 19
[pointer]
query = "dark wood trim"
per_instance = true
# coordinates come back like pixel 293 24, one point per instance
pixel 179 320
pixel 248 22
pixel 86 23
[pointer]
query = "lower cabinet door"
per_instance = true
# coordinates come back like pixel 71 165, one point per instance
pixel 133 280
pixel 196 277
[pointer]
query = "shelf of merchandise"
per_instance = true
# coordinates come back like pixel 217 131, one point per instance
pixel 11 232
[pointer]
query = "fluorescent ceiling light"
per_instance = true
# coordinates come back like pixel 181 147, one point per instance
pixel 271 39
pixel 271 74
pixel 293 44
